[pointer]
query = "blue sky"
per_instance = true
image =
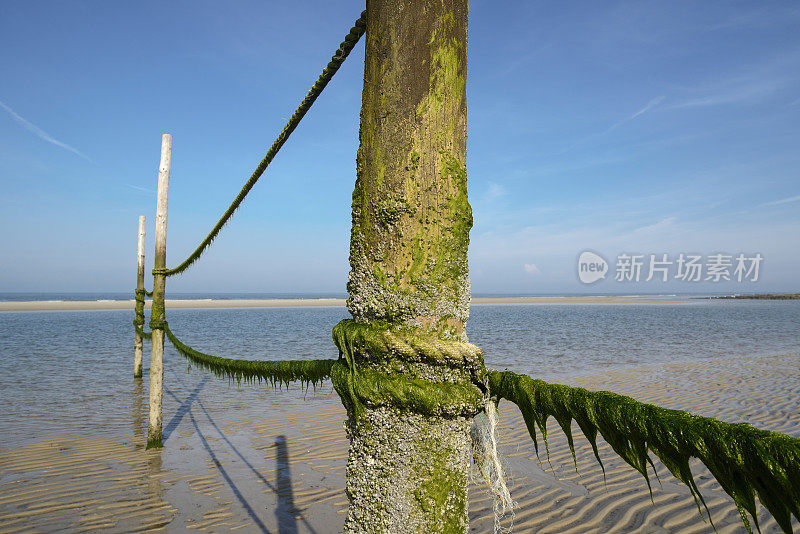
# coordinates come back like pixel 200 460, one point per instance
pixel 638 127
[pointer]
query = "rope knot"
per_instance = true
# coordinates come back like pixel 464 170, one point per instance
pixel 409 370
pixel 157 324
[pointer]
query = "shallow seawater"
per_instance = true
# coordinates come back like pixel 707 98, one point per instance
pixel 70 373
pixel 563 340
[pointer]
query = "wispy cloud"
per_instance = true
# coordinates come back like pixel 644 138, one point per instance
pixel 656 227
pixel 781 201
pixel 751 85
pixel 650 105
pixel 143 189
pixel 495 191
pixel 741 94
pixel 42 134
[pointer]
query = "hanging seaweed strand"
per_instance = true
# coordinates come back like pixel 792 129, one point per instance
pixel 745 461
pixel 276 372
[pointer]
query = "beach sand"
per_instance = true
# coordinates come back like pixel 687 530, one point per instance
pixel 76 305
pixel 284 472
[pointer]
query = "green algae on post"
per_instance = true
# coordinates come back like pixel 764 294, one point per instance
pixel 745 461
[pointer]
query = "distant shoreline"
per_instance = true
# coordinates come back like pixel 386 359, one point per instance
pixel 96 305
pixel 762 296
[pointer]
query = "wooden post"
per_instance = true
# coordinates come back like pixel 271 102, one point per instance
pixel 408 471
pixel 157 306
pixel 139 308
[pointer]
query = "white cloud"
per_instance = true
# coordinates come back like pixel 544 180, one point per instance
pixel 42 134
pixel 495 191
pixel 656 227
pixel 650 105
pixel 532 269
pixel 143 189
pixel 749 86
pixel 781 201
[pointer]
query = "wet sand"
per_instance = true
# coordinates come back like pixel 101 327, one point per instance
pixel 75 305
pixel 256 470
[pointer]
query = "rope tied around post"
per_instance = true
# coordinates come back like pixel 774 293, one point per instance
pixel 140 294
pixel 336 61
pixel 156 324
pixel 138 311
pixel 138 328
pixel 454 378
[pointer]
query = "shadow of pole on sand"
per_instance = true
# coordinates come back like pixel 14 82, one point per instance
pixel 284 490
pixel 286 513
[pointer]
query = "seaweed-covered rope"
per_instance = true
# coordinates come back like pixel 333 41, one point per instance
pixel 138 326
pixel 138 311
pixel 273 371
pixel 336 61
pixel 745 460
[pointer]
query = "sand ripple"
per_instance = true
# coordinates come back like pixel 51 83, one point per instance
pixel 255 471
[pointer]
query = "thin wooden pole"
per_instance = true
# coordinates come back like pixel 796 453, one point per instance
pixel 157 306
pixel 139 313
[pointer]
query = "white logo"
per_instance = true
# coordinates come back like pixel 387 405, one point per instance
pixel 591 267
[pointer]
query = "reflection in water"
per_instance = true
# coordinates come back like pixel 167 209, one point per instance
pixel 137 414
pixel 286 513
pixel 154 489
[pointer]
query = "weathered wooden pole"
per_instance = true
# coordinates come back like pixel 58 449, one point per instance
pixel 413 383
pixel 157 316
pixel 139 307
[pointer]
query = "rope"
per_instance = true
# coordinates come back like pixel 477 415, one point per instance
pixel 487 463
pixel 156 324
pixel 745 461
pixel 336 61
pixel 138 327
pixel 140 294
pixel 275 372
pixel 138 317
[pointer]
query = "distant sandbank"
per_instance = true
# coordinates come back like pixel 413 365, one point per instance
pixel 74 305
pixel 761 296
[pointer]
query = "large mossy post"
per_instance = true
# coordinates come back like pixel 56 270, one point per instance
pixel 139 306
pixel 157 314
pixel 412 383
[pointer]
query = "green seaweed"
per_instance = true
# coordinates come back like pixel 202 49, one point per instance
pixel 379 341
pixel 362 385
pixel 138 311
pixel 746 461
pixel 137 325
pixel 276 372
pixel 374 388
